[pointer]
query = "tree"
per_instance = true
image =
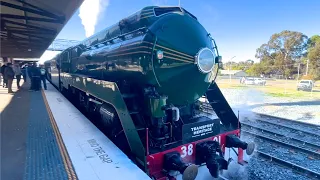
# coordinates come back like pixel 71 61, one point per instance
pixel 282 51
pixel 314 56
pixel 256 69
pixel 242 65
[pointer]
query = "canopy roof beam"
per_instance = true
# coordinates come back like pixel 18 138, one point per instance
pixel 39 11
pixel 32 18
pixel 27 26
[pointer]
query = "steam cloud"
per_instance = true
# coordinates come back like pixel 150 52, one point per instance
pixel 89 14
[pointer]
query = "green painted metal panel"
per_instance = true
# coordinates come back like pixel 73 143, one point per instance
pixel 110 93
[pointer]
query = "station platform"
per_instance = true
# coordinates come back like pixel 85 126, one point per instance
pixel 43 136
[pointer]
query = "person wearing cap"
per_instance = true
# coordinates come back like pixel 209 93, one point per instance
pixel 9 75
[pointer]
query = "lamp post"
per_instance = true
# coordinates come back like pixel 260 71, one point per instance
pixel 230 69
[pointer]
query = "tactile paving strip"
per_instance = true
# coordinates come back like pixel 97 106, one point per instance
pixel 46 155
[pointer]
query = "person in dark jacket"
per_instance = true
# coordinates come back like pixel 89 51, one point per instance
pixel 43 76
pixel 9 75
pixel 36 75
pixel 29 73
pixel 3 67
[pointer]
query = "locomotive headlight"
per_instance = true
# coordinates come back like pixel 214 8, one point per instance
pixel 205 60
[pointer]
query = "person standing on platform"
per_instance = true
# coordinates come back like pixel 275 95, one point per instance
pixel 36 74
pixel 9 75
pixel 43 76
pixel 24 73
pixel 17 73
pixel 30 71
pixel 3 67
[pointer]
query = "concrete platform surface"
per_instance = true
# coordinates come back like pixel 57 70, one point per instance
pixel 93 155
pixel 29 148
pixel 43 136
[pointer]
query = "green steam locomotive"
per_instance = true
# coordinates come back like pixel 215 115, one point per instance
pixel 149 81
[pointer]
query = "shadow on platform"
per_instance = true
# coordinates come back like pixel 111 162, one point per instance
pixel 13 112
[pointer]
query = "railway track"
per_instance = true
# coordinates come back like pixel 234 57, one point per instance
pixel 280 138
pixel 305 136
pixel 284 121
pixel 296 147
pixel 306 128
pixel 313 151
pixel 296 167
pixel 292 144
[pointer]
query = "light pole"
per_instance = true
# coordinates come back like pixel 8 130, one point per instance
pixel 298 71
pixel 307 67
pixel 230 69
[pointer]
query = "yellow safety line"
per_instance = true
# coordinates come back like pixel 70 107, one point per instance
pixel 65 157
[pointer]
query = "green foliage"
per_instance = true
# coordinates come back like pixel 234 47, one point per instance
pixel 243 65
pixel 314 56
pixel 281 52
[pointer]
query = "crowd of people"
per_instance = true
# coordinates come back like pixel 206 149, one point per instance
pixel 11 71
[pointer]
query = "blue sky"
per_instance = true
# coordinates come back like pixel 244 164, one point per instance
pixel 238 26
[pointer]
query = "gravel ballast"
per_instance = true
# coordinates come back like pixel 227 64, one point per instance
pixel 249 101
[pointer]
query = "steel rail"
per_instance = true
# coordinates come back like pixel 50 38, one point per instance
pixel 288 120
pixel 282 143
pixel 297 141
pixel 287 126
pixel 207 107
pixel 300 169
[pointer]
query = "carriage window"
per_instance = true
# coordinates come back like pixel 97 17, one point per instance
pixel 160 11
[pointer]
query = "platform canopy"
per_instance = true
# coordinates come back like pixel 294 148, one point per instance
pixel 29 26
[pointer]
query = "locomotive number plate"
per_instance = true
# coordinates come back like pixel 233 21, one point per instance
pixel 200 130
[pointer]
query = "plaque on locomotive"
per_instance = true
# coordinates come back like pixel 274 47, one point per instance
pixel 200 129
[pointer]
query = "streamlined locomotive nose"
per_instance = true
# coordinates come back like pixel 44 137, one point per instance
pixel 188 63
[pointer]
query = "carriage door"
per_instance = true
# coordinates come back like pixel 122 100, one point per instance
pixel 65 69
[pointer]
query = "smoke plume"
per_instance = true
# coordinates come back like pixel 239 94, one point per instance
pixel 89 14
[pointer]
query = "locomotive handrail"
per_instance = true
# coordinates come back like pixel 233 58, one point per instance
pixel 216 49
pixel 152 54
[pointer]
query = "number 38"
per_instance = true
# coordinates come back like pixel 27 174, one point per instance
pixel 186 150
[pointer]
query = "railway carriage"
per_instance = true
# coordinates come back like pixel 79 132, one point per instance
pixel 150 79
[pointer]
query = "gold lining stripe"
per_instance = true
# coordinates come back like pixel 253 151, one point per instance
pixel 185 58
pixel 130 49
pixel 170 49
pixel 146 17
pixel 176 59
pixel 146 10
pixel 147 13
pixel 137 52
pixel 175 51
pixel 140 42
pixel 65 157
